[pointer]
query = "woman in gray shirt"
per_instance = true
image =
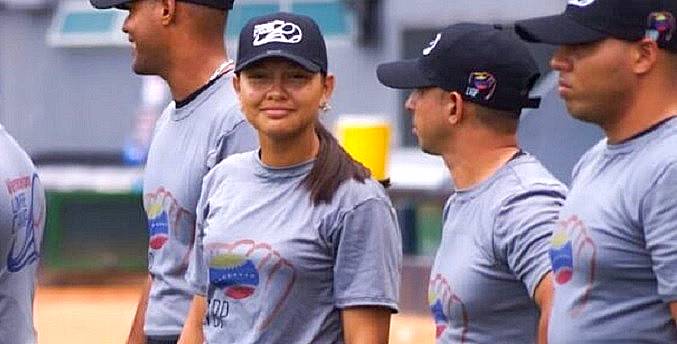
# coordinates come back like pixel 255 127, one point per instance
pixel 295 243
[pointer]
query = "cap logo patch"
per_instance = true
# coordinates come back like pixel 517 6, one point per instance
pixel 581 3
pixel 661 27
pixel 277 31
pixel 433 44
pixel 481 84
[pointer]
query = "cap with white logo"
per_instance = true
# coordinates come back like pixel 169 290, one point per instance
pixel 581 3
pixel 433 44
pixel 291 36
pixel 587 21
pixel 486 65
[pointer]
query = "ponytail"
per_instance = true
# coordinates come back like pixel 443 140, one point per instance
pixel 332 167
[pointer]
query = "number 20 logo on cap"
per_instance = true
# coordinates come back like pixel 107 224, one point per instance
pixel 581 3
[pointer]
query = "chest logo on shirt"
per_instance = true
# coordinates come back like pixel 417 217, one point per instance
pixel 163 212
pixel 27 220
pixel 446 306
pixel 235 274
pixel 571 245
pixel 247 271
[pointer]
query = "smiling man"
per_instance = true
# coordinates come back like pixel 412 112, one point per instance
pixel 182 42
pixel 491 275
pixel 614 252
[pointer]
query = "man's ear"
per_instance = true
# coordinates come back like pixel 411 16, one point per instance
pixel 236 84
pixel 168 11
pixel 644 55
pixel 454 107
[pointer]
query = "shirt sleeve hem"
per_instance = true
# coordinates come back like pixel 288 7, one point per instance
pixel 196 289
pixel 368 301
pixel 669 298
pixel 544 270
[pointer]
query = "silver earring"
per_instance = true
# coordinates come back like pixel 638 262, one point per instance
pixel 325 107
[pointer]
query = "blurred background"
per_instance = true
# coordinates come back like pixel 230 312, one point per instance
pixel 68 95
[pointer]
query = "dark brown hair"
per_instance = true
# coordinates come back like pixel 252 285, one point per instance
pixel 501 122
pixel 332 167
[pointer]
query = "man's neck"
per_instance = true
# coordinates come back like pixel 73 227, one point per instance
pixel 472 164
pixel 191 71
pixel 651 104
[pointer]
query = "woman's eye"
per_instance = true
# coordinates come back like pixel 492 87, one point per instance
pixel 299 78
pixel 256 75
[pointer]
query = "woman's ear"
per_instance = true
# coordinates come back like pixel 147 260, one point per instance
pixel 329 84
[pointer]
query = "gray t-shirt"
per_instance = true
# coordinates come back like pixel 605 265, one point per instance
pixel 187 142
pixel 614 252
pixel 22 221
pixel 277 269
pixel 493 254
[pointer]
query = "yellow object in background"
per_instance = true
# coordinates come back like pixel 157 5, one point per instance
pixel 367 139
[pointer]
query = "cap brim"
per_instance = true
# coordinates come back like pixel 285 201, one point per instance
pixel 405 74
pixel 106 4
pixel 558 30
pixel 305 63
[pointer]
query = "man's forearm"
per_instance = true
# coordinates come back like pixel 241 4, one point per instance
pixel 543 297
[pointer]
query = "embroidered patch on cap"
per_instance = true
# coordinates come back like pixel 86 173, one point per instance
pixel 481 84
pixel 661 27
pixel 277 31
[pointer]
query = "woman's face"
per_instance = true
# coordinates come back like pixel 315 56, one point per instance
pixel 280 98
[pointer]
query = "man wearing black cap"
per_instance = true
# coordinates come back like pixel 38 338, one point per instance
pixel 181 41
pixel 614 253
pixel 492 267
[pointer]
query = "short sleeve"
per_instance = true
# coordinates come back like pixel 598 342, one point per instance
pixel 241 138
pixel 39 207
pixel 524 226
pixel 197 274
pixel 368 254
pixel 659 219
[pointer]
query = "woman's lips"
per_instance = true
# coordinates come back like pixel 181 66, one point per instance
pixel 276 112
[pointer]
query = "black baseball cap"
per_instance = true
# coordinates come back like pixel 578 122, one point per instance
pixel 292 36
pixel 486 65
pixel 124 4
pixel 587 21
